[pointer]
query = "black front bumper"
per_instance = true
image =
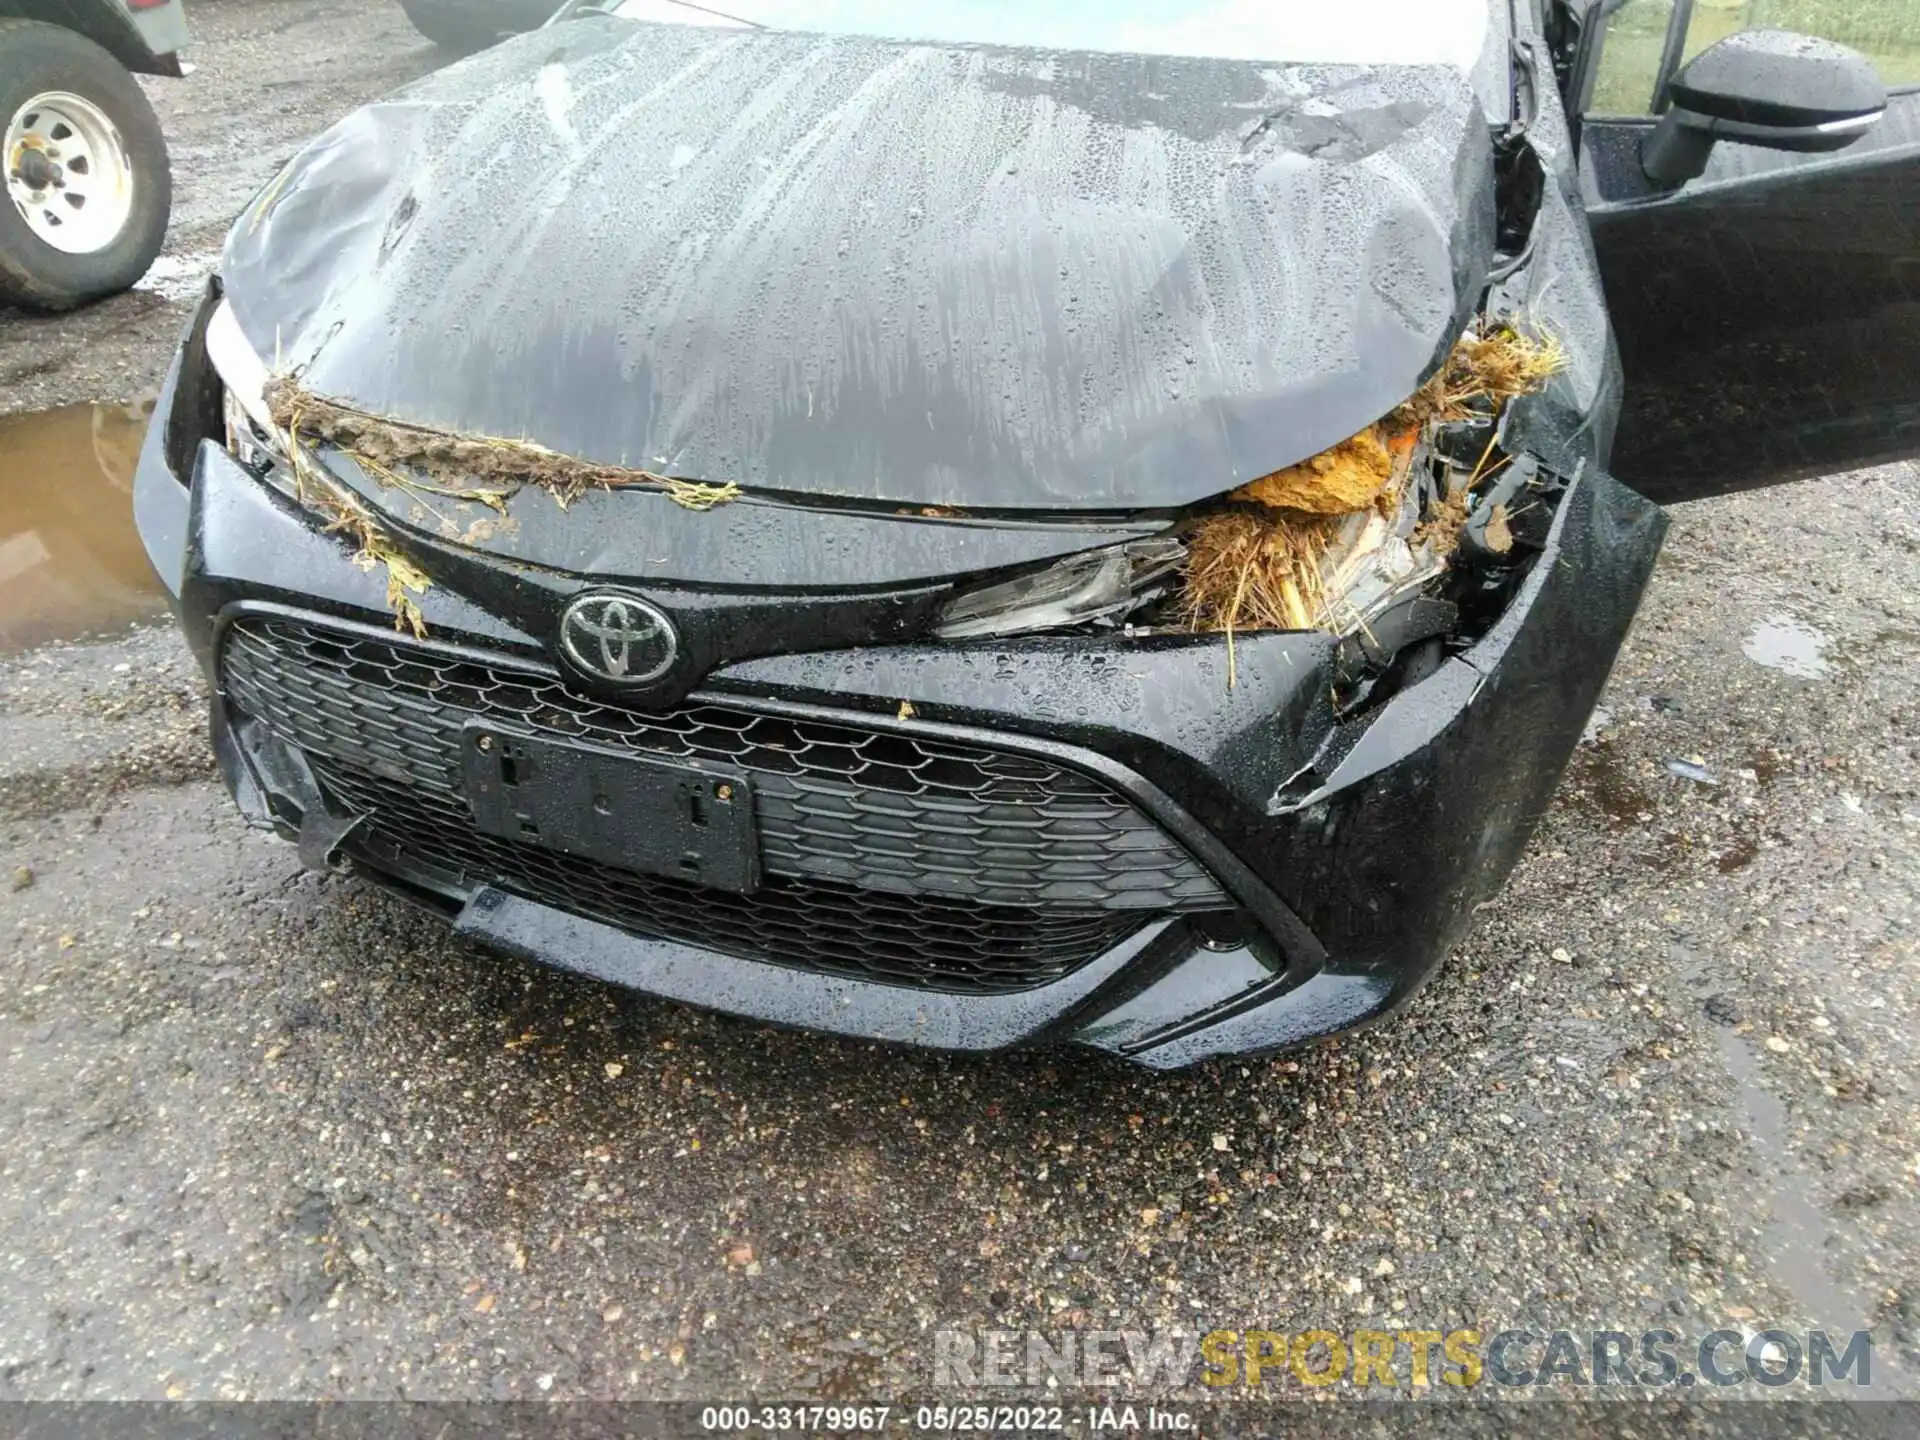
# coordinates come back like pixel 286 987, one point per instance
pixel 1060 841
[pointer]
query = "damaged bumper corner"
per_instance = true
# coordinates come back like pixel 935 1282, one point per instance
pixel 1347 856
pixel 1415 814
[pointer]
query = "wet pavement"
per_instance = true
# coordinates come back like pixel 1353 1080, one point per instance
pixel 277 1135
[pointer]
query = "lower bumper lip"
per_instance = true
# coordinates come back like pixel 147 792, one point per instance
pixel 1358 883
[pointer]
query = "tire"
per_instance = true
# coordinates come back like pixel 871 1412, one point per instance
pixel 464 26
pixel 42 69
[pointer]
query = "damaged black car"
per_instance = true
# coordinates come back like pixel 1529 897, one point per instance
pixel 1001 524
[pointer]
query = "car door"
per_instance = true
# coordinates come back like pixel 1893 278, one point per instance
pixel 1768 312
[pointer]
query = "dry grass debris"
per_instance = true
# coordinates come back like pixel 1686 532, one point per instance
pixel 483 468
pixel 424 462
pixel 404 581
pixel 1252 571
pixel 1499 532
pixel 1486 369
pixel 1280 554
pixel 348 514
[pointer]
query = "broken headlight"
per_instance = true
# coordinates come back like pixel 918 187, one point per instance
pixel 251 437
pixel 1093 587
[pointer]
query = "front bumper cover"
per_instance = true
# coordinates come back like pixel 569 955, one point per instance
pixel 1356 854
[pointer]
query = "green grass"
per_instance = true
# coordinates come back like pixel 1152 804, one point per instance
pixel 1887 31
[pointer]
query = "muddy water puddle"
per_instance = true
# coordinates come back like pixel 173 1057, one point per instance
pixel 71 563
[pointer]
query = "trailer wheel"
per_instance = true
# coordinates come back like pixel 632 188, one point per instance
pixel 85 170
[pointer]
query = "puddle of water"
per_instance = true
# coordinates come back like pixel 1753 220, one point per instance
pixel 71 563
pixel 1783 643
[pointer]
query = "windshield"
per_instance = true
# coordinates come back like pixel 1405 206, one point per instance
pixel 1408 32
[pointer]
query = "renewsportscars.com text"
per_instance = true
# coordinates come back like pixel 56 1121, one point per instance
pixel 1401 1358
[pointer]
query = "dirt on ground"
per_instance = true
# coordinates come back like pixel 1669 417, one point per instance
pixel 268 75
pixel 276 1135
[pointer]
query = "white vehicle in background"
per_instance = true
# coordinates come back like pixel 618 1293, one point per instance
pixel 85 165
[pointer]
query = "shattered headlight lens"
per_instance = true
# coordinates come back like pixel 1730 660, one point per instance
pixel 251 437
pixel 1093 586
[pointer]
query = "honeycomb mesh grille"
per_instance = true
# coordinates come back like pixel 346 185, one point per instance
pixel 869 935
pixel 886 856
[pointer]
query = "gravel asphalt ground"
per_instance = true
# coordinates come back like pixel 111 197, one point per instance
pixel 273 1135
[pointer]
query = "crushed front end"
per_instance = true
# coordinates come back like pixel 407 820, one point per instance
pixel 1011 696
pixel 1112 829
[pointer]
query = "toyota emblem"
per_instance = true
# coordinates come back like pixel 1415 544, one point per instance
pixel 619 638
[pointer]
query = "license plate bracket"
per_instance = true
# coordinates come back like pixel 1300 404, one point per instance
pixel 681 820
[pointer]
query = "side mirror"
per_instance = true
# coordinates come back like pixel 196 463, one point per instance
pixel 1763 87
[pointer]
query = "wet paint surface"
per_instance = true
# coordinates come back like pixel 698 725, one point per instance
pixel 1783 643
pixel 70 561
pixel 916 274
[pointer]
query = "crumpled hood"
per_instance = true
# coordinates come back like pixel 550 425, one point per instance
pixel 920 274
